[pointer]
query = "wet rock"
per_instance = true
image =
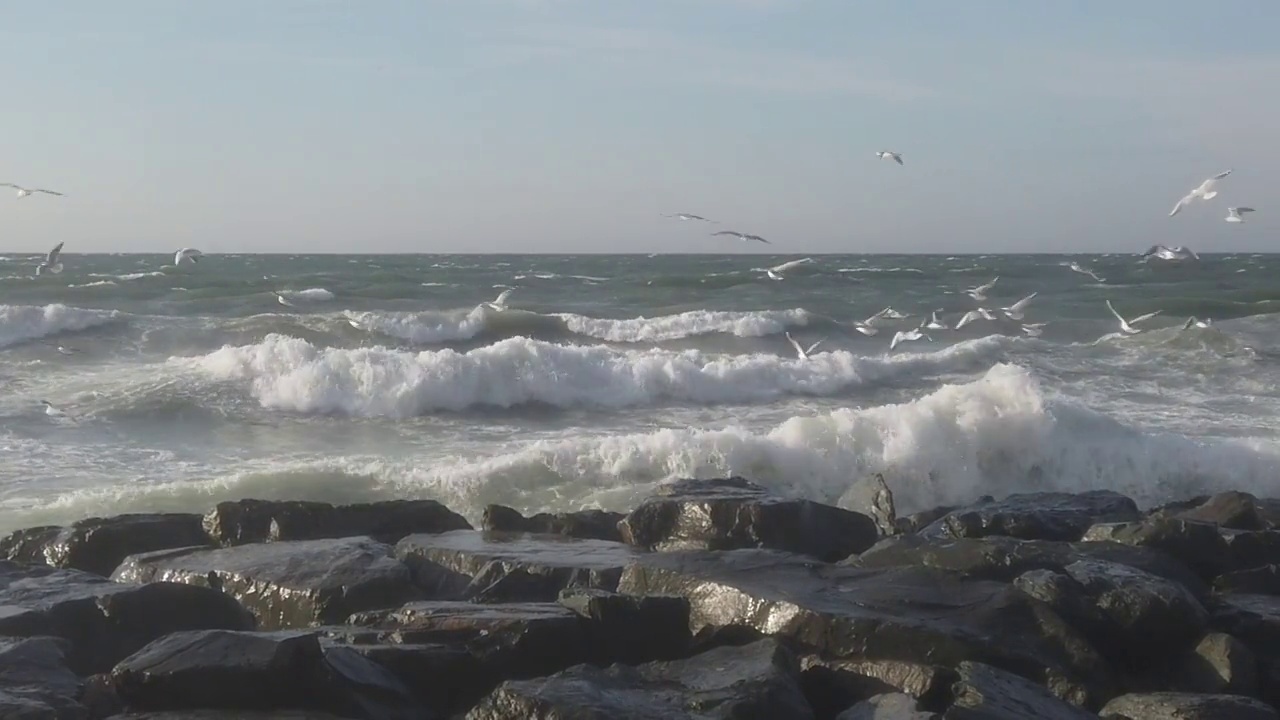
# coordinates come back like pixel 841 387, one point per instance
pixel 585 524
pixel 105 621
pixel 252 521
pixel 258 671
pixel 444 679
pixel 872 497
pixel 915 522
pixel 1236 510
pixel 832 685
pixel 1219 663
pixel 987 693
pixel 286 584
pixel 97 545
pixel 36 682
pixel 228 715
pixel 518 566
pixel 1068 598
pixel 1253 619
pixel 1250 549
pixel 916 614
pixel 632 628
pixel 1036 516
pixel 1185 706
pixel 754 681
pixel 889 706
pixel 1200 546
pixel 733 513
pixel 1263 580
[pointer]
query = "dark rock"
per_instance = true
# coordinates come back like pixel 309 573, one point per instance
pixel 1253 619
pixel 585 524
pixel 987 693
pixel 36 682
pixel 733 513
pixel 1005 558
pixel 445 679
pixel 834 684
pixel 252 521
pixel 872 497
pixel 632 628
pixel 258 671
pixel 97 545
pixel 105 621
pixel 1236 510
pixel 1219 663
pixel 914 614
pixel 518 566
pixel 1263 580
pixel 1199 545
pixel 287 584
pixel 228 715
pixel 1069 599
pixel 1185 706
pixel 1249 549
pixel 889 706
pixel 755 681
pixel 915 522
pixel 1036 516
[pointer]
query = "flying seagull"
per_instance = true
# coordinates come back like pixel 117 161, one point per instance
pixel 907 335
pixel 1204 192
pixel 890 155
pixel 51 263
pixel 1234 214
pixel 776 271
pixel 1127 326
pixel 499 303
pixel 1033 329
pixel 190 255
pixel 1016 310
pixel 1197 322
pixel 23 192
pixel 689 216
pixel 890 314
pixel 979 314
pixel 1170 253
pixel 801 351
pixel 979 293
pixel 742 236
pixel 1076 267
pixel 934 323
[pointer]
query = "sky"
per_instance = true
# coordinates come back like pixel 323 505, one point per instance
pixel 570 126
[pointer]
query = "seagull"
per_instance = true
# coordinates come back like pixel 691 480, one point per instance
pixel 23 192
pixel 890 314
pixel 64 349
pixel 281 299
pixel 1193 320
pixel 1233 214
pixel 191 255
pixel 1126 326
pixel 890 155
pixel 802 352
pixel 1015 311
pixel 905 336
pixel 776 271
pixel 936 324
pixel 690 216
pixel 499 303
pixel 979 314
pixel 1076 267
pixel 1169 253
pixel 51 263
pixel 51 410
pixel 979 293
pixel 1204 192
pixel 1033 329
pixel 742 236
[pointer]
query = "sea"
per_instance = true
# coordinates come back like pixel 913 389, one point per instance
pixel 386 376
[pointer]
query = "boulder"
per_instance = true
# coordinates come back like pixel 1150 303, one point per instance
pixel 252 521
pixel 1219 663
pixel 98 545
pixel 1248 549
pixel 105 621
pixel 754 681
pixel 35 681
pixel 916 614
pixel 1200 546
pixel 1036 516
pixel 1186 706
pixel 834 684
pixel 1264 580
pixel 1232 509
pixel 733 513
pixel 519 567
pixel 889 706
pixel 286 584
pixel 585 524
pixel 227 715
pixel 631 628
pixel 1253 619
pixel 915 522
pixel 872 497
pixel 219 669
pixel 444 679
pixel 986 693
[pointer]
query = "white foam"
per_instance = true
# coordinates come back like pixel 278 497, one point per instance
pixel 308 295
pixel 424 327
pixel 20 323
pixel 687 324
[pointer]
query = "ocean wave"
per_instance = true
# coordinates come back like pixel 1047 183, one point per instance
pixel 758 323
pixel 292 374
pixel 21 323
pixel 308 295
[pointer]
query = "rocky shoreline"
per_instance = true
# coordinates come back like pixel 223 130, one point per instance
pixel 713 599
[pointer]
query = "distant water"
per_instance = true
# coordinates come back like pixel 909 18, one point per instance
pixel 612 373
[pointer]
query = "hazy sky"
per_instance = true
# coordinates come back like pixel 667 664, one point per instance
pixel 570 125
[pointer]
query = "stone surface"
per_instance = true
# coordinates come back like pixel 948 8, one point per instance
pixel 105 621
pixel 287 584
pixel 1036 516
pixel 915 522
pixel 445 679
pixel 1252 619
pixel 872 497
pixel 834 684
pixel 585 524
pixel 228 715
pixel 1185 706
pixel 1200 546
pixel 733 513
pixel 36 682
pixel 632 628
pixel 517 567
pixel 250 521
pixel 1219 663
pixel 986 693
pixel 97 545
pixel 919 615
pixel 1264 580
pixel 1236 510
pixel 754 681
pixel 889 706
pixel 1248 549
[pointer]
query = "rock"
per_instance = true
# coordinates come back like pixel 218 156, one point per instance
pixel 97 545
pixel 252 521
pixel 630 628
pixel 518 566
pixel 1249 549
pixel 220 669
pixel 1263 580
pixel 832 685
pixel 889 706
pixel 1198 545
pixel 916 614
pixel 1253 619
pixel 228 715
pixel 1185 706
pixel 36 682
pixel 1005 558
pixel 915 522
pixel 287 584
pixel 1036 516
pixel 1219 663
pixel 1236 510
pixel 105 621
pixel 755 681
pixel 444 679
pixel 733 513
pixel 1069 599
pixel 872 497
pixel 987 693
pixel 584 524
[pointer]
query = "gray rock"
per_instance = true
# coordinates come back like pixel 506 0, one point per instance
pixel 733 513
pixel 98 545
pixel 1219 663
pixel 286 584
pixel 1264 580
pixel 632 628
pixel 1248 549
pixel 915 522
pixel 987 693
pixel 1236 510
pixel 36 682
pixel 252 521
pixel 834 684
pixel 1200 546
pixel 585 524
pixel 1185 706
pixel 227 715
pixel 1036 516
pixel 445 679
pixel 872 497
pixel 889 706
pixel 755 681
pixel 1253 619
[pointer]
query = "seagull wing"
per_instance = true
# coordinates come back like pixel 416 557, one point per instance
pixel 759 239
pixel 1220 175
pixel 1022 304
pixel 15 187
pixel 1190 321
pixel 898 159
pixel 968 318
pixel 796 345
pixel 897 338
pixel 47 192
pixel 1112 308
pixel 988 286
pixel 52 257
pixel 502 297
pixel 814 346
pixel 1140 318
pixel 1176 209
pixel 1242 210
